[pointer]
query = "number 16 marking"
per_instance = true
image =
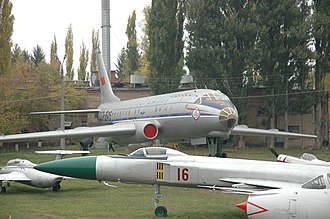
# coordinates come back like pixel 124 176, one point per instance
pixel 183 174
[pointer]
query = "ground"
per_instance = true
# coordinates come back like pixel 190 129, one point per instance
pixel 91 199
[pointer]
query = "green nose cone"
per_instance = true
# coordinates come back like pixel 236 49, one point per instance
pixel 79 167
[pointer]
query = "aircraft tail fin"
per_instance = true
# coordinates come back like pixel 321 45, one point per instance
pixel 107 94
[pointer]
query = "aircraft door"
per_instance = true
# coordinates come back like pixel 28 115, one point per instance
pixel 293 209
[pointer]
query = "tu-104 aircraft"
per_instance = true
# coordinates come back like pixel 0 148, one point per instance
pixel 21 171
pixel 200 116
pixel 163 166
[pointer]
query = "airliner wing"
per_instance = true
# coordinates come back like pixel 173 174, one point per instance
pixel 14 176
pixel 67 112
pixel 81 132
pixel 245 130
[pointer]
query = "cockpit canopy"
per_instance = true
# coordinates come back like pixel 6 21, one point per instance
pixel 19 162
pixel 212 96
pixel 319 182
pixel 155 152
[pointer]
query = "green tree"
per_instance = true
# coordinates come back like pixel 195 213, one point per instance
pixel 6 31
pixel 278 24
pixel 83 62
pixel 69 53
pixel 95 45
pixel 221 39
pixel 53 53
pixel 144 45
pixel 38 55
pixel 165 51
pixel 132 54
pixel 120 65
pixel 320 22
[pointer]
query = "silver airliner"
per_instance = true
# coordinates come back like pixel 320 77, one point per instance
pixel 200 116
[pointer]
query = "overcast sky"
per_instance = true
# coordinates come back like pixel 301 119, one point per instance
pixel 37 21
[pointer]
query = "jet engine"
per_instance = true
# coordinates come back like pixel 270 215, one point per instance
pixel 144 131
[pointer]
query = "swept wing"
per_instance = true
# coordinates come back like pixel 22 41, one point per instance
pixel 14 176
pixel 245 130
pixel 126 129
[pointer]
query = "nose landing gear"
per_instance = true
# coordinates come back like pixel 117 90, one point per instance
pixel 160 211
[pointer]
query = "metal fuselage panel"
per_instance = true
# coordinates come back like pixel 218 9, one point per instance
pixel 196 170
pixel 291 203
pixel 177 115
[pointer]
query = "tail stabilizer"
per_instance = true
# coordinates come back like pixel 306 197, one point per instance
pixel 107 94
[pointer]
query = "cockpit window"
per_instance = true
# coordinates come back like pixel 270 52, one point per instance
pixel 328 177
pixel 211 97
pixel 138 153
pixel 156 151
pixel 316 183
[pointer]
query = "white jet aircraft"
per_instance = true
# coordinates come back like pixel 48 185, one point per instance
pixel 200 116
pixel 21 171
pixel 163 166
pixel 310 201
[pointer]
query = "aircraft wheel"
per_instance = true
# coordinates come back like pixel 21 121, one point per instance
pixel 56 187
pixel 3 189
pixel 161 211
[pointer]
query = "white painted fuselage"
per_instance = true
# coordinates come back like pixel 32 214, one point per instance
pixel 179 116
pixel 195 170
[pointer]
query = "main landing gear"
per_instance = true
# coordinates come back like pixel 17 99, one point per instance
pixel 56 187
pixel 3 188
pixel 160 211
pixel 215 147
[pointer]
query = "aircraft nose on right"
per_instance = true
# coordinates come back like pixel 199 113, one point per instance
pixel 228 117
pixel 79 167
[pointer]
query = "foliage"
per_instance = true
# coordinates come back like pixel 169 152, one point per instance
pixel 83 62
pixel 220 47
pixel 95 45
pixel 53 54
pixel 38 55
pixel 132 54
pixel 165 51
pixel 69 53
pixel 144 45
pixel 120 65
pixel 6 30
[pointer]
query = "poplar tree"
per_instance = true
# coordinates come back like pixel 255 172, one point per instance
pixel 95 45
pixel 6 31
pixel 132 54
pixel 53 53
pixel 83 62
pixel 69 53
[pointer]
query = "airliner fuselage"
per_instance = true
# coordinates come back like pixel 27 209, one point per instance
pixel 182 116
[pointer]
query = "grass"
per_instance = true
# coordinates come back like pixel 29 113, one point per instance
pixel 90 199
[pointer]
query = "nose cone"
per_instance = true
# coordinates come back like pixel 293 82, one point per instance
pixel 242 206
pixel 228 117
pixel 79 167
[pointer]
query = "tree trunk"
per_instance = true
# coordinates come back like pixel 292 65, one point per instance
pixel 317 123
